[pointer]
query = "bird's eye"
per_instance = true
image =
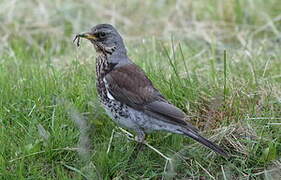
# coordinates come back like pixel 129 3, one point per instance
pixel 101 34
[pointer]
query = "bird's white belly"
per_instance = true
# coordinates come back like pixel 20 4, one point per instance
pixel 135 120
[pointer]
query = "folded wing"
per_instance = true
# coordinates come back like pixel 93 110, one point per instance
pixel 131 86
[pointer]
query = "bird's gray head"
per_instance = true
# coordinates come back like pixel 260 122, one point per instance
pixel 105 38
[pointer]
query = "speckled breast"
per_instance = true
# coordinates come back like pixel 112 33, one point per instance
pixel 114 109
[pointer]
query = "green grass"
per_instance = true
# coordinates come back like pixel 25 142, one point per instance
pixel 51 123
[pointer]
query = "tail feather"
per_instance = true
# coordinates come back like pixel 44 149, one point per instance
pixel 196 136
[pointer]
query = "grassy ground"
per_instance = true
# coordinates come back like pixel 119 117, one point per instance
pixel 51 124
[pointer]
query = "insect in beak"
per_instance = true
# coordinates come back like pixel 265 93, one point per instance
pixel 78 38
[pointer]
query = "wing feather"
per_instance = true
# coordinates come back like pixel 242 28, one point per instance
pixel 131 86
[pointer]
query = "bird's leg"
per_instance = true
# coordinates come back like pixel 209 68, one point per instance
pixel 140 137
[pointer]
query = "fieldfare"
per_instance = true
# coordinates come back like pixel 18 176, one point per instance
pixel 128 96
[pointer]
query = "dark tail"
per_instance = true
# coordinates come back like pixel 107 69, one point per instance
pixel 196 136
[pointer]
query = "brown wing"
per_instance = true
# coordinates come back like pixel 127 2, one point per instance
pixel 131 86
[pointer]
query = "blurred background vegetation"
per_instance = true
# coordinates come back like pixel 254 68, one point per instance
pixel 51 124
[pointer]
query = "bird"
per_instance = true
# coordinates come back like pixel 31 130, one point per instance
pixel 128 95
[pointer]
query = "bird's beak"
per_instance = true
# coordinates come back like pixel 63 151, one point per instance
pixel 87 35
